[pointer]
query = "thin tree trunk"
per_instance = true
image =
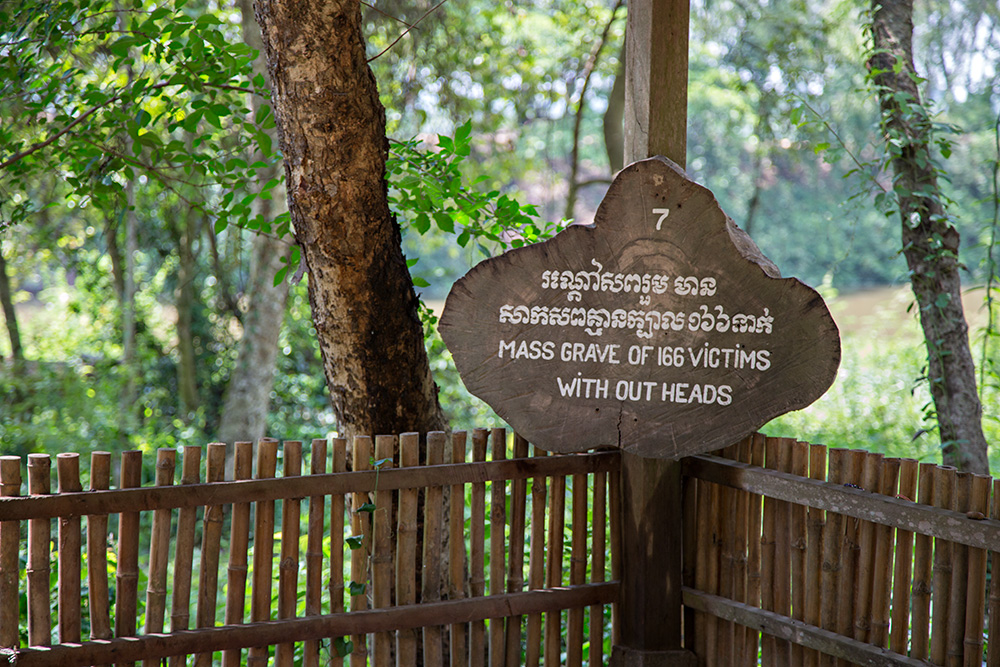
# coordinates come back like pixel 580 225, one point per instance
pixel 248 396
pixel 614 118
pixel 930 242
pixel 581 105
pixel 332 130
pixel 10 316
pixel 187 377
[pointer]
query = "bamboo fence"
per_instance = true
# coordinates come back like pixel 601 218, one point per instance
pixel 428 541
pixel 862 559
pixel 470 549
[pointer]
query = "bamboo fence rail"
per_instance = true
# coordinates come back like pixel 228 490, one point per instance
pixel 432 556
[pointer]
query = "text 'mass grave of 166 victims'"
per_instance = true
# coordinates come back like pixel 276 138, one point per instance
pixel 660 329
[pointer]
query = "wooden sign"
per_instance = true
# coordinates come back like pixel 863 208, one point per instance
pixel 660 329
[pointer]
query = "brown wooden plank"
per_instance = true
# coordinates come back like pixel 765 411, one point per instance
pixel 361 459
pixel 799 465
pixel 239 540
pixel 993 628
pixel 816 524
pixel 273 632
pixel 536 563
pixel 477 550
pixel 867 566
pixel 577 569
pixel 127 570
pixel 97 552
pixel 975 606
pixel 833 547
pixel 498 545
pixel 263 549
pixel 433 542
pixel 944 497
pixel 196 495
pixel 180 604
pixel 754 546
pixel 896 512
pixel 70 542
pixel 288 556
pixel 515 566
pixel 598 549
pixel 314 551
pixel 922 571
pixel 382 551
pixel 554 570
pixel 457 581
pixel 955 633
pixel 159 550
pixel 406 550
pixel 882 583
pixel 337 514
pixel 902 574
pixel 768 553
pixel 10 547
pixel 39 538
pixel 211 548
pixel 853 475
pixel 849 650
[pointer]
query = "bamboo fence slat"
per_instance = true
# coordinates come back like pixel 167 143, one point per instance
pixel 180 607
pixel 816 522
pixel 740 547
pixel 536 564
pixel 159 550
pixel 993 649
pixel 288 556
pixel 39 537
pixel 754 544
pixel 689 560
pixel 406 550
pixel 477 551
pixel 554 573
pixel 360 528
pixel 727 565
pixel 922 571
pixel 853 476
pixel 515 569
pixel 314 551
pixel 10 546
pixel 783 553
pixel 882 582
pixel 263 549
pixel 615 532
pixel 903 564
pixel 768 554
pixel 975 606
pixel 337 513
pixel 382 561
pixel 715 526
pixel 498 545
pixel 598 540
pixel 799 465
pixel 70 543
pixel 431 581
pixel 864 583
pixel 699 562
pixel 959 578
pixel 944 496
pixel 456 552
pixel 211 548
pixel 239 540
pixel 98 597
pixel 127 571
pixel 577 570
pixel 833 544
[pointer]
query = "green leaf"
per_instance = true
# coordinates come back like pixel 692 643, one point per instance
pixel 367 507
pixel 343 646
pixel 357 588
pixel 279 277
pixel 355 542
pixel 420 282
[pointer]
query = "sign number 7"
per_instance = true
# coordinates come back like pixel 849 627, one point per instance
pixel 664 212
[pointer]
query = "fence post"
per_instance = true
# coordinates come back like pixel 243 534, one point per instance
pixel 652 518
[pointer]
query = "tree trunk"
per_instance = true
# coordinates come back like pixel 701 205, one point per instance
pixel 187 377
pixel 248 396
pixel 332 130
pixel 930 242
pixel 10 316
pixel 614 118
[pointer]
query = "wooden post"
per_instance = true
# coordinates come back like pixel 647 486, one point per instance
pixel 652 521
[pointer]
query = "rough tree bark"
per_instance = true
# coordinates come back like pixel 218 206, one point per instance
pixel 930 242
pixel 10 315
pixel 331 127
pixel 248 395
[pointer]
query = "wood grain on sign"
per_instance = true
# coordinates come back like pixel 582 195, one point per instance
pixel 660 329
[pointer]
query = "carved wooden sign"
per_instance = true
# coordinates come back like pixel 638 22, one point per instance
pixel 660 329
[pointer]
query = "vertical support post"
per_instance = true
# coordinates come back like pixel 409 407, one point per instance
pixel 656 73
